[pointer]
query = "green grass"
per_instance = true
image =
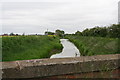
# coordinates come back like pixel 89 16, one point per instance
pixel 95 45
pixel 29 47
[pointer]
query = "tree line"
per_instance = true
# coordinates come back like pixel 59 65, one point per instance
pixel 112 31
pixel 58 32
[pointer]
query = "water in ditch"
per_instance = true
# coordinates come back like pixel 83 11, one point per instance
pixel 69 50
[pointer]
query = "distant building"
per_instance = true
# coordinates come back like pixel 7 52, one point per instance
pixel 5 35
pixel 119 12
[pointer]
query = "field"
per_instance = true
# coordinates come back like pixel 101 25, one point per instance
pixel 95 45
pixel 29 47
pixel 37 47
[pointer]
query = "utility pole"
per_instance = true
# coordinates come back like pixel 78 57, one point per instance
pixel 47 31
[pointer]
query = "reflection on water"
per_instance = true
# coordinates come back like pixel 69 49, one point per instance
pixel 69 50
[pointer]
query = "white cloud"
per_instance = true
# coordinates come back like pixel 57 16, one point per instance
pixel 69 15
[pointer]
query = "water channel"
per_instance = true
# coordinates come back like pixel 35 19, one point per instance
pixel 69 50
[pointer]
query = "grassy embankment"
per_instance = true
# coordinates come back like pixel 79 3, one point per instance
pixel 95 45
pixel 29 47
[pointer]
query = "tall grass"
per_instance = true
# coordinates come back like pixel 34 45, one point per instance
pixel 95 45
pixel 29 47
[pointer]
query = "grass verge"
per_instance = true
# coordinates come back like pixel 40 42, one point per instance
pixel 95 45
pixel 29 47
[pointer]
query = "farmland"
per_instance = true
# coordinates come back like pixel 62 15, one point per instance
pixel 29 47
pixel 88 45
pixel 94 41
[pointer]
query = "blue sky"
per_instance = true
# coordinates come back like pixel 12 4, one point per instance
pixel 36 16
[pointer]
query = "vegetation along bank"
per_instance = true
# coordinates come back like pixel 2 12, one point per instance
pixel 29 47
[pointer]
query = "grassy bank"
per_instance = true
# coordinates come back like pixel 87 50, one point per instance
pixel 95 45
pixel 29 47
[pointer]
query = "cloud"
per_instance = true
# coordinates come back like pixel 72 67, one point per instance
pixel 68 15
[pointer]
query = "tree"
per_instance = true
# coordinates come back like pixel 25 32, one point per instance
pixel 12 34
pixel 103 32
pixel 78 33
pixel 114 31
pixel 49 33
pixel 23 34
pixel 98 31
pixel 86 32
pixel 60 33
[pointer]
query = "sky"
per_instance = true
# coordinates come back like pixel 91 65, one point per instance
pixel 36 16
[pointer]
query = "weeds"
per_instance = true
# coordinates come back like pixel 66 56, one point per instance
pixel 95 45
pixel 29 47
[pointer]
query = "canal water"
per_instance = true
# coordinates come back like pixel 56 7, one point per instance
pixel 69 50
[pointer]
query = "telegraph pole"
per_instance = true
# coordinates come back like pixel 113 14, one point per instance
pixel 47 31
